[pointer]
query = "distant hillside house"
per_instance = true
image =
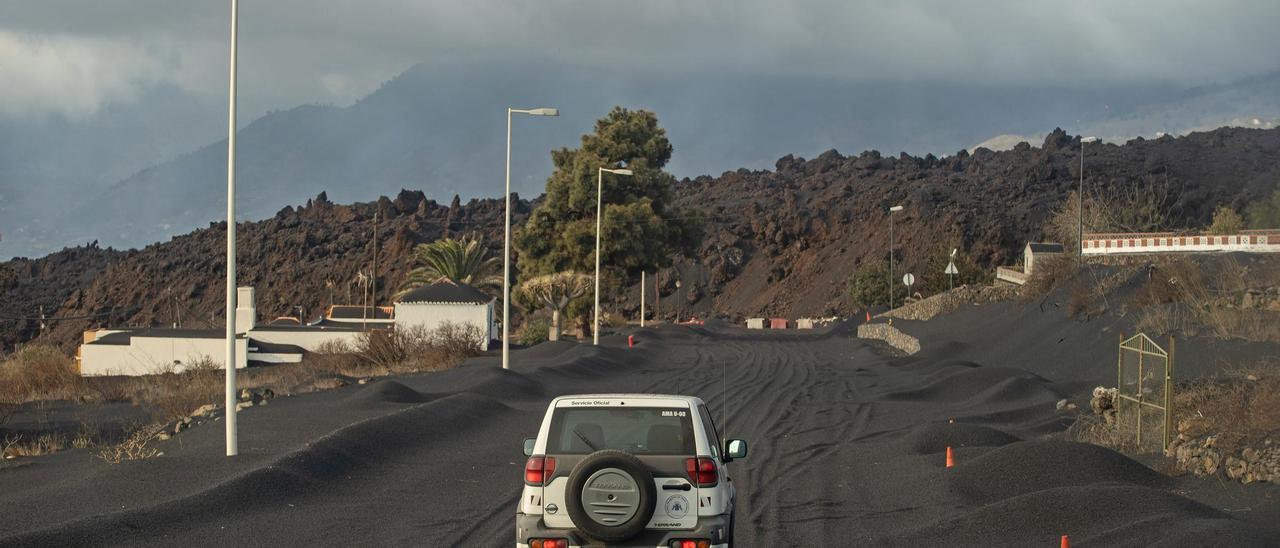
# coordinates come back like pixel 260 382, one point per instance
pixel 430 306
pixel 1031 254
pixel 1038 251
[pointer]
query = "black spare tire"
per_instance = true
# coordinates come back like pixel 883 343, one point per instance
pixel 610 495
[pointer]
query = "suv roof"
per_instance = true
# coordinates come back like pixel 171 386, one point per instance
pixel 608 399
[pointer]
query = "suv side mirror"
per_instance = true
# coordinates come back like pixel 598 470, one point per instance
pixel 528 446
pixel 736 449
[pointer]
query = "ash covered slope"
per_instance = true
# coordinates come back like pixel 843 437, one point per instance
pixel 308 257
pixel 785 241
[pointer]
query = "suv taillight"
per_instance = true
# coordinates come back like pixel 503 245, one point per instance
pixel 548 543
pixel 690 544
pixel 538 470
pixel 702 471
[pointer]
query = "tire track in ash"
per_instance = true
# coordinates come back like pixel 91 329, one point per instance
pixel 794 405
pixel 797 408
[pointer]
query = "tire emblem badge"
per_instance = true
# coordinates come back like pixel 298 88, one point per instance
pixel 677 506
pixel 552 508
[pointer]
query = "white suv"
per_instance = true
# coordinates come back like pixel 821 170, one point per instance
pixel 627 470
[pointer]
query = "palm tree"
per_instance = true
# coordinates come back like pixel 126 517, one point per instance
pixel 461 260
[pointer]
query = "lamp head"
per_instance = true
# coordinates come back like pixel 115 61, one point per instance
pixel 619 171
pixel 544 112
pixel 1088 139
pixel 896 208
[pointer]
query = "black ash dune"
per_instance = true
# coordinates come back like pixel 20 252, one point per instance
pixel 846 449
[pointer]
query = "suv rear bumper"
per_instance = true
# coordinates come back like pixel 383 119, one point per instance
pixel 713 528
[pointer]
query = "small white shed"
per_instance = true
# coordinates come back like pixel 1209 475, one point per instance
pixel 430 306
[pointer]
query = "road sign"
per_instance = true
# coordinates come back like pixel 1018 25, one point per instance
pixel 908 279
pixel 951 268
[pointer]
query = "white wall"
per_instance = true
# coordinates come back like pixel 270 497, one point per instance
pixel 1124 244
pixel 150 355
pixel 309 340
pixel 429 316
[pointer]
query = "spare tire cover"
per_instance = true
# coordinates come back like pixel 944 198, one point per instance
pixel 610 495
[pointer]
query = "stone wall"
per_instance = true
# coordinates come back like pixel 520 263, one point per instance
pixel 950 301
pixel 891 335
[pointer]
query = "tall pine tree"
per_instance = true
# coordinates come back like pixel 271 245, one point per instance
pixel 641 229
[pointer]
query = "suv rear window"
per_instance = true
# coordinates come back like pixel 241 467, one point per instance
pixel 636 430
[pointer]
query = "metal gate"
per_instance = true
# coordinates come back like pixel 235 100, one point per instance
pixel 1145 397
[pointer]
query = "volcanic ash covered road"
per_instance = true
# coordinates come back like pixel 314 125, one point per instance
pixel 847 448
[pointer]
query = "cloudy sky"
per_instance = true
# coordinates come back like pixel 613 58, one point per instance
pixel 101 94
pixel 72 57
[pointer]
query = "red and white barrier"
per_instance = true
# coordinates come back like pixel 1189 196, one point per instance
pixel 1253 241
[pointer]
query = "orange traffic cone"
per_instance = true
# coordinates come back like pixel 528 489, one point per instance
pixel 868 316
pixel 951 457
pixel 631 341
pixel 1066 542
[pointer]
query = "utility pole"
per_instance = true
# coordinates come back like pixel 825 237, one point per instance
pixel 230 364
pixel 506 235
pixel 1080 200
pixel 892 210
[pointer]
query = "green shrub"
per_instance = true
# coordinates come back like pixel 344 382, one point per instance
pixel 1226 221
pixel 534 331
pixel 1261 213
pixel 869 287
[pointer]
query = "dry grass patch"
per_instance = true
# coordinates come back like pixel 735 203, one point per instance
pixel 175 394
pixel 1242 408
pixel 44 444
pixel 39 372
pixel 1094 429
pixel 1181 297
pixel 134 446
pixel 1050 273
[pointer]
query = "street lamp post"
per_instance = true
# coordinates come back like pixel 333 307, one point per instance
pixel 1080 197
pixel 506 241
pixel 595 323
pixel 230 364
pixel 892 210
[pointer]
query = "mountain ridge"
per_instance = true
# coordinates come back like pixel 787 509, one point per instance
pixel 779 242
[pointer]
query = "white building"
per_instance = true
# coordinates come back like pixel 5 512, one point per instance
pixel 430 306
pixel 1033 252
pixel 148 351
pixel 145 351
